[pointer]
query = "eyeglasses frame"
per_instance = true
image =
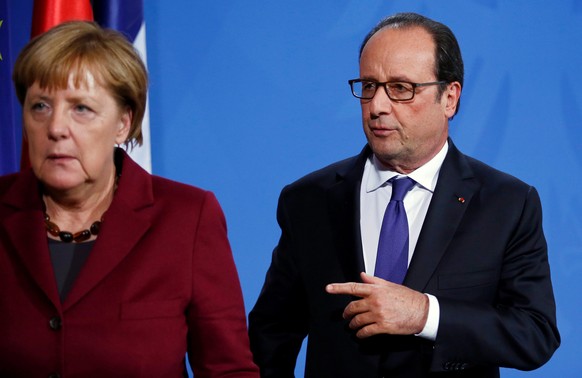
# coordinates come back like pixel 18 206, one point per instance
pixel 383 84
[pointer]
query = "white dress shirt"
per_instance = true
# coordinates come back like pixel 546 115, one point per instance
pixel 375 194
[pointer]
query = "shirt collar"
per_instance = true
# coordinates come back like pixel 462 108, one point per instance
pixel 426 175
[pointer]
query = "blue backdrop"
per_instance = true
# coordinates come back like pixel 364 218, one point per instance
pixel 247 96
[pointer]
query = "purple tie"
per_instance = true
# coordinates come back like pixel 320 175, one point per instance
pixel 392 258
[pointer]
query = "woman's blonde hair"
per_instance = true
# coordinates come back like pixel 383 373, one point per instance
pixel 78 47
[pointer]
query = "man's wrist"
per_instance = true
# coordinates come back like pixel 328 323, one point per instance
pixel 429 331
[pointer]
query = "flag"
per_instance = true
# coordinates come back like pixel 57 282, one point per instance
pixel 45 15
pixel 9 130
pixel 49 13
pixel 126 16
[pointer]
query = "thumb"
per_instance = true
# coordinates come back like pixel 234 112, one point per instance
pixel 369 279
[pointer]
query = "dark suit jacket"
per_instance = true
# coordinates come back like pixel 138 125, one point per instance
pixel 484 258
pixel 160 281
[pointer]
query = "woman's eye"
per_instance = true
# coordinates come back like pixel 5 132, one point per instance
pixel 82 108
pixel 84 112
pixel 39 106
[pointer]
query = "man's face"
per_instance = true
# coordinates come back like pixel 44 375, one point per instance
pixel 405 135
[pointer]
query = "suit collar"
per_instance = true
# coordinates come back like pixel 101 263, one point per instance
pixel 344 209
pixel 454 190
pixel 453 193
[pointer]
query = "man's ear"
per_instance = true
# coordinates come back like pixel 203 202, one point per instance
pixel 452 95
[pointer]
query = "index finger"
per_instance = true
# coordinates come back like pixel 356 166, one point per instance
pixel 350 288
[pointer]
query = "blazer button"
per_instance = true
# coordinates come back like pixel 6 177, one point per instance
pixel 55 323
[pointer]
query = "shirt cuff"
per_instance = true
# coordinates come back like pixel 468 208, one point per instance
pixel 431 327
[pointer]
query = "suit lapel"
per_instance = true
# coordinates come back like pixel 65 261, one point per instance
pixel 26 231
pixel 455 188
pixel 344 210
pixel 124 224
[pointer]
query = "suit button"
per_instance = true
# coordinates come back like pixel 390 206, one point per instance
pixel 55 323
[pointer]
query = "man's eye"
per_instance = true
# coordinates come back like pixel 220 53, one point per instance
pixel 400 87
pixel 369 86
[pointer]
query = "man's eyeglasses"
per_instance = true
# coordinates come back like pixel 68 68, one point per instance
pixel 396 90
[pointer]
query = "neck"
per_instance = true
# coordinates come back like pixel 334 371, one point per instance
pixel 75 210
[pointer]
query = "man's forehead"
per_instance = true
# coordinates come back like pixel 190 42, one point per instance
pixel 411 37
pixel 398 52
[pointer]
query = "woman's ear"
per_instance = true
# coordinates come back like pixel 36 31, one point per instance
pixel 124 126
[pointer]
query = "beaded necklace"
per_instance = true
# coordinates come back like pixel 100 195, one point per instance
pixel 81 236
pixel 69 237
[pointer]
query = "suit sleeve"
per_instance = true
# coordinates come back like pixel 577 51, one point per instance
pixel 278 321
pixel 518 329
pixel 217 334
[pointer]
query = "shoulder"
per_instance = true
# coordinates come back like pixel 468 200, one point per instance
pixel 495 179
pixel 6 182
pixel 493 188
pixel 349 169
pixel 488 177
pixel 166 187
pixel 183 197
pixel 8 191
pixel 143 183
pixel 138 187
pixel 20 190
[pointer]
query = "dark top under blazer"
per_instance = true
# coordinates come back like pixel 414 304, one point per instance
pixel 483 256
pixel 159 281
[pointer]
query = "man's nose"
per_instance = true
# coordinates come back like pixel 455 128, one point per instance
pixel 380 103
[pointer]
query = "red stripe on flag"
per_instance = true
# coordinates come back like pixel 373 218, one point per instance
pixel 48 13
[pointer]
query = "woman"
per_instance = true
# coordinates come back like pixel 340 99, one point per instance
pixel 106 270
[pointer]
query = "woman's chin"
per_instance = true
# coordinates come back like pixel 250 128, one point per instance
pixel 61 183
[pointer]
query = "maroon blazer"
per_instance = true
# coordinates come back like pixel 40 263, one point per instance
pixel 159 282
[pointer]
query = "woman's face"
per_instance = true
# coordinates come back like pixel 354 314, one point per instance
pixel 72 132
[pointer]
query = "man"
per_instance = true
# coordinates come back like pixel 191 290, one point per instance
pixel 476 294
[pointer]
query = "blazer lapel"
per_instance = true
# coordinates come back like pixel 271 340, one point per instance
pixel 455 188
pixel 26 231
pixel 124 224
pixel 344 210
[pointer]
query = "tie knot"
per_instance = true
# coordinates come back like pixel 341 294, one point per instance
pixel 400 187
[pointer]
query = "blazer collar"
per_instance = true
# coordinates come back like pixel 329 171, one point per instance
pixel 125 222
pixel 24 225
